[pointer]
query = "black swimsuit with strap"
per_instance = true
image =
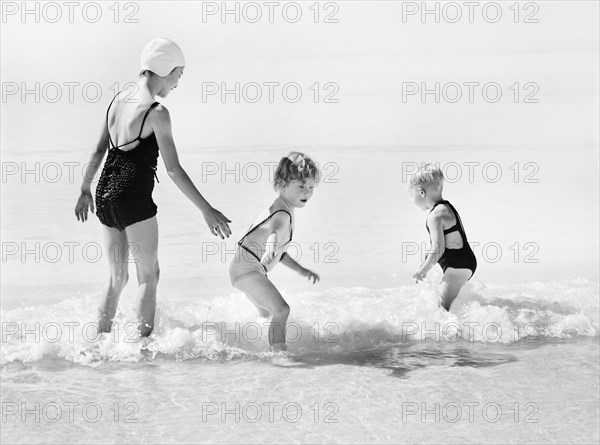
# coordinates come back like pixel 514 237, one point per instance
pixel 124 191
pixel 462 258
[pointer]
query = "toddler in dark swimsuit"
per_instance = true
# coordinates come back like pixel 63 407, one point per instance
pixel 449 245
pixel 266 242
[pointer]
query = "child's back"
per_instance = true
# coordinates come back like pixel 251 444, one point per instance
pixel 457 253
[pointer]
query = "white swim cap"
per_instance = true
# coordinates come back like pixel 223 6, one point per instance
pixel 161 56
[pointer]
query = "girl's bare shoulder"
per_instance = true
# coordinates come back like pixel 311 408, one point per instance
pixel 444 214
pixel 278 216
pixel 160 117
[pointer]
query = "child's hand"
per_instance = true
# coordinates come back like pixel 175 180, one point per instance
pixel 217 223
pixel 311 275
pixel 419 275
pixel 270 250
pixel 84 202
pixel 269 256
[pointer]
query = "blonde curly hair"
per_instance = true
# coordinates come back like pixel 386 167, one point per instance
pixel 295 166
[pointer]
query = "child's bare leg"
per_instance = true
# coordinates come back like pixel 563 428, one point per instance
pixel 263 312
pixel 264 294
pixel 115 244
pixel 452 283
pixel 143 237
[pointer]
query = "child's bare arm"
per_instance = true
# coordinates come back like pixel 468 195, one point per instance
pixel 86 201
pixel 161 123
pixel 295 266
pixel 435 221
pixel 292 263
pixel 279 227
pixel 95 159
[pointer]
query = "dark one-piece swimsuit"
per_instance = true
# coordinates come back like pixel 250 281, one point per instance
pixel 124 191
pixel 462 258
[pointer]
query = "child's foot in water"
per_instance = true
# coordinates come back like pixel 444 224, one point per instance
pixel 145 345
pixel 93 351
pixel 278 347
pixel 284 358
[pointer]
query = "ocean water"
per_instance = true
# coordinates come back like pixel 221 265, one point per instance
pixel 372 356
pixel 509 363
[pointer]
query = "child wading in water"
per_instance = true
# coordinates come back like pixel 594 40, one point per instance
pixel 135 131
pixel 449 245
pixel 266 243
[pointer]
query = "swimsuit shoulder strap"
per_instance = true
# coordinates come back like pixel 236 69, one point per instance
pixel 434 206
pixel 290 215
pixel 141 128
pixel 291 225
pixel 454 228
pixel 264 221
pixel 107 111
pixel 144 120
pixel 458 226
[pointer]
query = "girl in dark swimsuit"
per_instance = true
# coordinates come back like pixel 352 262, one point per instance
pixel 266 242
pixel 449 245
pixel 124 192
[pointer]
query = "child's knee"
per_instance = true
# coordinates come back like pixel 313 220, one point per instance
pixel 147 299
pixel 118 279
pixel 282 310
pixel 150 276
pixel 122 280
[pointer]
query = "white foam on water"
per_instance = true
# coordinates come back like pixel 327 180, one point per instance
pixel 336 321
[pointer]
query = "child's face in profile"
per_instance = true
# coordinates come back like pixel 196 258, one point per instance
pixel 417 194
pixel 297 193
